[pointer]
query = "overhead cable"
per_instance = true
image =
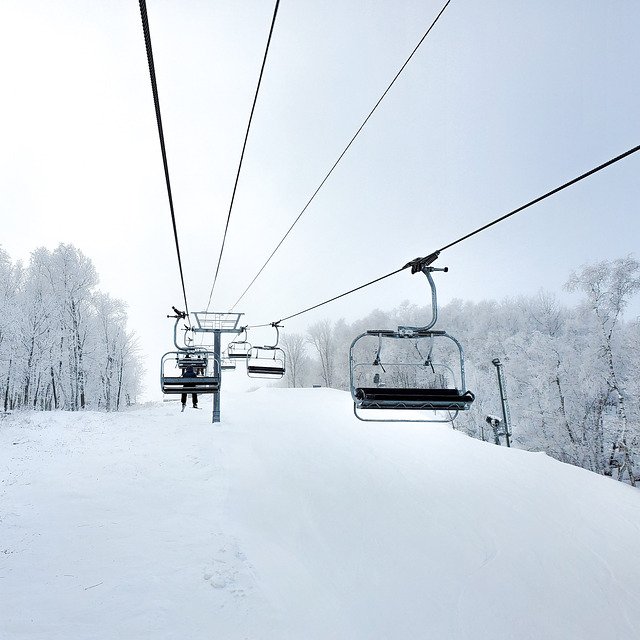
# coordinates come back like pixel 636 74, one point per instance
pixel 417 264
pixel 341 155
pixel 546 195
pixel 342 295
pixel 244 146
pixel 156 102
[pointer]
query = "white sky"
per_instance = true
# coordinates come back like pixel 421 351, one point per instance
pixel 504 101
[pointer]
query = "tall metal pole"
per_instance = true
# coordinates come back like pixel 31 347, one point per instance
pixel 218 373
pixel 503 399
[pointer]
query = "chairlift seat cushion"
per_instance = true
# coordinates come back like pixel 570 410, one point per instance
pixel 412 398
pixel 261 369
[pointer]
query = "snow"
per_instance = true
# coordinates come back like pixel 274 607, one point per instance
pixel 292 519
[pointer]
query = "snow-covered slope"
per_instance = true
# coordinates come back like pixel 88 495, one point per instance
pixel 291 519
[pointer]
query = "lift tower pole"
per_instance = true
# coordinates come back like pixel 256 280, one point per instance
pixel 216 396
pixel 503 399
pixel 217 324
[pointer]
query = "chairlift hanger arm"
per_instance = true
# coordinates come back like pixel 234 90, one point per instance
pixel 277 326
pixel 180 315
pixel 424 265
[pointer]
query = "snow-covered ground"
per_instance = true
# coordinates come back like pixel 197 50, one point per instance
pixel 293 520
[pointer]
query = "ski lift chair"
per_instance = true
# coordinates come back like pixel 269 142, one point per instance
pixel 239 349
pixel 173 363
pixel 227 363
pixel 267 361
pixel 411 369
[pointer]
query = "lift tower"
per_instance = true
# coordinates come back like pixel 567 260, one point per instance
pixel 202 356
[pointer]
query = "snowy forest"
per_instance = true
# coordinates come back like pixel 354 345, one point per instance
pixel 571 374
pixel 63 344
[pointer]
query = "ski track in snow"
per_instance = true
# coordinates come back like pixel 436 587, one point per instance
pixel 291 519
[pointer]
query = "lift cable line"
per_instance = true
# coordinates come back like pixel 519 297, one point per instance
pixel 244 146
pixel 156 102
pixel 547 195
pixel 321 304
pixel 306 206
pixel 418 263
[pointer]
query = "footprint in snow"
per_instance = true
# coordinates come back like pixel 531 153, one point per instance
pixel 229 569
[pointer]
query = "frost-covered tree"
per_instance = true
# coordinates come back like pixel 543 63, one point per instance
pixel 73 278
pixel 320 335
pixel 37 329
pixel 10 280
pixel 609 287
pixel 62 344
pixel 295 348
pixel 114 350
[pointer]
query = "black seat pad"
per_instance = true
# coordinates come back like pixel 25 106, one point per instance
pixel 390 396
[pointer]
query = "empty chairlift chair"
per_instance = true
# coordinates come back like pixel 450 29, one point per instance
pixel 227 363
pixel 416 369
pixel 267 361
pixel 240 348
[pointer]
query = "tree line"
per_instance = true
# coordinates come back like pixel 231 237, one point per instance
pixel 63 344
pixel 572 374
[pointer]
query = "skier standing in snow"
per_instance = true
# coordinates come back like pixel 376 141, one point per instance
pixel 189 372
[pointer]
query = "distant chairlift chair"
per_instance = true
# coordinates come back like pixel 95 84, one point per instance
pixel 227 363
pixel 239 349
pixel 207 378
pixel 267 361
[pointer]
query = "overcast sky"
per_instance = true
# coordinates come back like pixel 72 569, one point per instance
pixel 505 100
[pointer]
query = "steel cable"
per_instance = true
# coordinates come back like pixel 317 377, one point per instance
pixel 244 146
pixel 306 206
pixel 418 262
pixel 156 102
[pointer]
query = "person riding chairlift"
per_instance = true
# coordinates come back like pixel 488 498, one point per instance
pixel 189 372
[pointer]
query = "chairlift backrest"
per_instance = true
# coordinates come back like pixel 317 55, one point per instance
pixel 238 350
pixel 198 361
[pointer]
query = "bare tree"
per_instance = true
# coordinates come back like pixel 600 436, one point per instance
pixel 294 346
pixel 320 335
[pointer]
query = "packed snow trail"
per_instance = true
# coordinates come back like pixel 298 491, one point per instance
pixel 291 519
